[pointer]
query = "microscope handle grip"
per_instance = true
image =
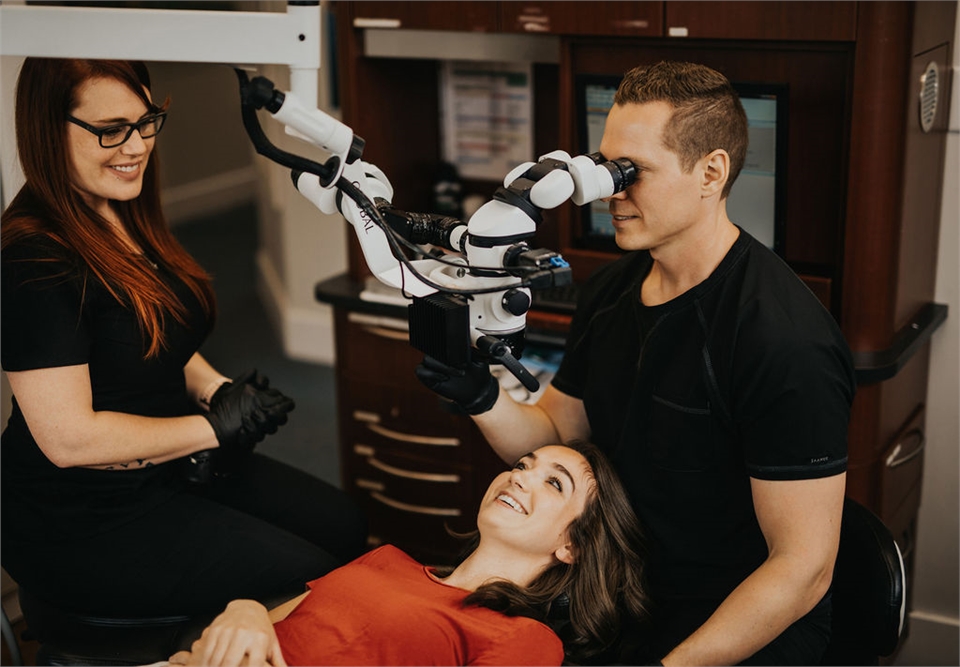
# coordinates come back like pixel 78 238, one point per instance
pixel 500 352
pixel 520 372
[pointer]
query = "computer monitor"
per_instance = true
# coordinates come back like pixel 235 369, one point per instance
pixel 758 198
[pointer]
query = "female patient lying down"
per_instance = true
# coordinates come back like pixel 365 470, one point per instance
pixel 558 523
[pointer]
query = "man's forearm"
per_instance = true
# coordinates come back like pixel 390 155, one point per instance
pixel 764 605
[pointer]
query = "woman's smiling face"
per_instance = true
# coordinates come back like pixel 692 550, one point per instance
pixel 101 174
pixel 531 507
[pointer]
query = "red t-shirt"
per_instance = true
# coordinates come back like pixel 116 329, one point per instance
pixel 384 609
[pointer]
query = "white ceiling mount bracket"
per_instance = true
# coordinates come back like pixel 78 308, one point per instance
pixel 183 35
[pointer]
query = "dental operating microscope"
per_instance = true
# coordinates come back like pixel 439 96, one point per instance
pixel 469 283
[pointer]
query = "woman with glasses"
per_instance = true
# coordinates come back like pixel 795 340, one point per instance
pixel 103 312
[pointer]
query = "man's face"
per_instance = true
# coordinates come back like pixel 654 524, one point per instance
pixel 664 202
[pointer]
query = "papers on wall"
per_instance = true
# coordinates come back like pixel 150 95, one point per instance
pixel 487 117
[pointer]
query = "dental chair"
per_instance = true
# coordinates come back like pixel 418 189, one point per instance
pixel 869 591
pixel 68 638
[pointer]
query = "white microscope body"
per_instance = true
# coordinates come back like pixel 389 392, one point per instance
pixel 480 285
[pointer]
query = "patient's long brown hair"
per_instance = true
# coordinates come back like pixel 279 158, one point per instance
pixel 49 206
pixel 604 585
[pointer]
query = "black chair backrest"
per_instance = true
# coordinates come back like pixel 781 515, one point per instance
pixel 868 590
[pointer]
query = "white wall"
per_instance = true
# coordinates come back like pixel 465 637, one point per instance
pixel 11 178
pixel 206 160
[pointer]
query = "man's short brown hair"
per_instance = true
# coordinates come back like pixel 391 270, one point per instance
pixel 707 111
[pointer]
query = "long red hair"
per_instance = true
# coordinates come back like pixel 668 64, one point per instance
pixel 50 206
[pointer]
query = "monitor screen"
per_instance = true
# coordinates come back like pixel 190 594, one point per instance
pixel 757 199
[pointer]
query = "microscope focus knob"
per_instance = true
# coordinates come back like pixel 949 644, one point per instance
pixel 516 302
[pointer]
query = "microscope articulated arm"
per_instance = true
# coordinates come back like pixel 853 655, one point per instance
pixel 471 297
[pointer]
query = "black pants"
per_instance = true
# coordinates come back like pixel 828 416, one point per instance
pixel 261 533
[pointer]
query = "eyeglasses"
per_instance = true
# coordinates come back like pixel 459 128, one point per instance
pixel 112 136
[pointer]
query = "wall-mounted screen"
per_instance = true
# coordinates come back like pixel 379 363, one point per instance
pixel 757 200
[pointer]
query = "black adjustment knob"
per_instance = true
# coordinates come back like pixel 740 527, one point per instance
pixel 516 302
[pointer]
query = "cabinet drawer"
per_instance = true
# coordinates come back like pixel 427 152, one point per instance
pixel 376 349
pixel 421 485
pixel 413 503
pixel 823 21
pixel 583 18
pixel 425 537
pixel 410 421
pixel 425 15
pixel 901 468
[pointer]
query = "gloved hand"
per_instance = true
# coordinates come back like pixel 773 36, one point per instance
pixel 245 410
pixel 472 387
pixel 242 412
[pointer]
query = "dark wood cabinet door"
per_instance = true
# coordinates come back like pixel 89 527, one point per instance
pixel 791 21
pixel 582 18
pixel 476 16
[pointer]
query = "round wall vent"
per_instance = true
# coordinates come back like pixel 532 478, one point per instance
pixel 929 93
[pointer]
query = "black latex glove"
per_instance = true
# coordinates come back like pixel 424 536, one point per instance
pixel 245 410
pixel 472 387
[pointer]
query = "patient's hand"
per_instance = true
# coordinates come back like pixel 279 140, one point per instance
pixel 241 636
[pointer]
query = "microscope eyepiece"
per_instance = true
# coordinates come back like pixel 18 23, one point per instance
pixel 622 171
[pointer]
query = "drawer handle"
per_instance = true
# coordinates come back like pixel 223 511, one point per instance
pixel 632 24
pixel 914 438
pixel 415 439
pixel 412 474
pixel 416 509
pixel 363 450
pixel 372 420
pixel 361 22
pixel 369 485
pixel 390 334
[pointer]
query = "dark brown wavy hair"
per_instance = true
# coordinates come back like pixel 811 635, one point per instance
pixel 593 600
pixel 707 112
pixel 49 206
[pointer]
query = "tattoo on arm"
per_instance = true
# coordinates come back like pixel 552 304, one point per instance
pixel 139 463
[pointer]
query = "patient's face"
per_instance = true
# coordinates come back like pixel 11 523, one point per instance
pixel 530 507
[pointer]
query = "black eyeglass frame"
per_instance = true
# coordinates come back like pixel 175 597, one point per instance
pixel 100 131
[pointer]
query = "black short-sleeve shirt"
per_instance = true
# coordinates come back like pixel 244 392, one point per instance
pixel 745 375
pixel 55 313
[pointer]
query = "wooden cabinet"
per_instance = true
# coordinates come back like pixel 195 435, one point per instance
pixel 418 470
pixel 582 18
pixel 891 231
pixel 468 15
pixel 786 21
pixel 791 21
